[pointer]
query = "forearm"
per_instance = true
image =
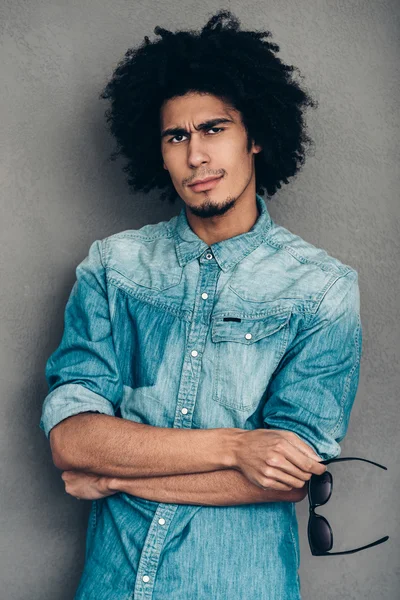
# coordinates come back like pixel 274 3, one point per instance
pixel 217 488
pixel 117 447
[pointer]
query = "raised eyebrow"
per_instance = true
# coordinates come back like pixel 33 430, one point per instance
pixel 206 125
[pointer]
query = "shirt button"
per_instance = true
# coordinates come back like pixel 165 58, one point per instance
pixel 146 578
pixel 184 411
pixel 209 256
pixel 204 296
pixel 194 353
pixel 161 521
pixel 248 336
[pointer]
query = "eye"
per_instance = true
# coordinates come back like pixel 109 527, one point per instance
pixel 180 136
pixel 220 128
pixel 175 136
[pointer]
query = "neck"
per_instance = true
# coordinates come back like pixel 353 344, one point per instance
pixel 239 219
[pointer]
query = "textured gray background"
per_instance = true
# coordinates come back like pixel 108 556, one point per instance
pixel 59 193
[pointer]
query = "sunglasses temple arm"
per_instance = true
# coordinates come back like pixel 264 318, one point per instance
pixel 330 460
pixel 358 549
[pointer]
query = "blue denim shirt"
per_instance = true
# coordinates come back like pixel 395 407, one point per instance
pixel 258 330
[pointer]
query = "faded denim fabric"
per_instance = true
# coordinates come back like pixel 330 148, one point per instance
pixel 275 326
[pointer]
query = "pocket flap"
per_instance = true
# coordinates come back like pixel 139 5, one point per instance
pixel 247 331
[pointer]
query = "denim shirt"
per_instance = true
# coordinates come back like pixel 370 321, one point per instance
pixel 261 330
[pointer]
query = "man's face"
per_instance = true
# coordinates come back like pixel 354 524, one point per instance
pixel 218 149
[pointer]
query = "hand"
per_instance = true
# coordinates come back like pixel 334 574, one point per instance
pixel 86 486
pixel 276 459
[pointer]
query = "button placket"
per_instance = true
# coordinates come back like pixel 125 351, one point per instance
pixel 190 377
pixel 196 340
pixel 151 551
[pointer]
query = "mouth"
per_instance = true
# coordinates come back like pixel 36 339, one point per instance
pixel 206 185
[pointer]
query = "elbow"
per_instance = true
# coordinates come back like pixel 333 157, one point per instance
pixel 60 462
pixel 62 458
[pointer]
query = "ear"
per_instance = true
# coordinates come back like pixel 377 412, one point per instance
pixel 256 148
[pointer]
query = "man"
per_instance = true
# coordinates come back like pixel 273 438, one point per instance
pixel 209 362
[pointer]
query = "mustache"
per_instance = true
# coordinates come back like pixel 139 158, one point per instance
pixel 203 176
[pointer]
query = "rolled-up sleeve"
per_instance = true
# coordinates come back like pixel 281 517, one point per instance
pixel 313 390
pixel 82 373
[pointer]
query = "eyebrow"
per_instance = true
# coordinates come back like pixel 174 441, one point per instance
pixel 206 125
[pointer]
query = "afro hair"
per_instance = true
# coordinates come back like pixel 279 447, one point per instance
pixel 240 67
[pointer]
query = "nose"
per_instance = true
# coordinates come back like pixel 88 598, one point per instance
pixel 197 153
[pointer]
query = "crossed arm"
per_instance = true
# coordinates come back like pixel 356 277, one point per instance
pixel 311 395
pixel 215 488
pixel 92 472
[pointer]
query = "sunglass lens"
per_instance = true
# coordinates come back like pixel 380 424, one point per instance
pixel 320 488
pixel 320 533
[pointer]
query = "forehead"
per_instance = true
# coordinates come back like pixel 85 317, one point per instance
pixel 194 107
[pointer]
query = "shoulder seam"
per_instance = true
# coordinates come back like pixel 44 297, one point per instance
pixel 354 277
pixel 161 231
pixel 326 267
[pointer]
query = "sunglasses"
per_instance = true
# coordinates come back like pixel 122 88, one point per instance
pixel 320 536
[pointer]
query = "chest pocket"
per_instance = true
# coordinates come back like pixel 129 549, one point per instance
pixel 246 353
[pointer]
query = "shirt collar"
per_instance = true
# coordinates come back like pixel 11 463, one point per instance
pixel 227 252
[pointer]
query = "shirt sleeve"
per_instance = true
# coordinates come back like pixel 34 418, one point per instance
pixel 82 373
pixel 313 390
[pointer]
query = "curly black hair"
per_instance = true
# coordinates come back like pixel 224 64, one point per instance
pixel 234 65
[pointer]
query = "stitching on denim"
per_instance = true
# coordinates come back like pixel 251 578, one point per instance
pixel 299 304
pixel 176 282
pixel 314 316
pixel 331 268
pixel 228 264
pixel 218 396
pixel 185 315
pixel 81 277
pixel 95 515
pixel 349 378
pixel 294 539
pixel 315 302
pixel 307 303
pixel 135 233
pixel 258 315
pixel 286 314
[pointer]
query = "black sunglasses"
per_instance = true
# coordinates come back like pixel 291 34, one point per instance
pixel 320 536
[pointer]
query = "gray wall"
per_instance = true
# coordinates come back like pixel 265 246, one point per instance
pixel 59 193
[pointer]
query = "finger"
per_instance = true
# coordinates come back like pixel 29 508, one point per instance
pixel 280 462
pixel 271 484
pixel 296 440
pixel 300 460
pixel 283 478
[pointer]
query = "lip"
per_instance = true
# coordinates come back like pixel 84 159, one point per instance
pixel 208 184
